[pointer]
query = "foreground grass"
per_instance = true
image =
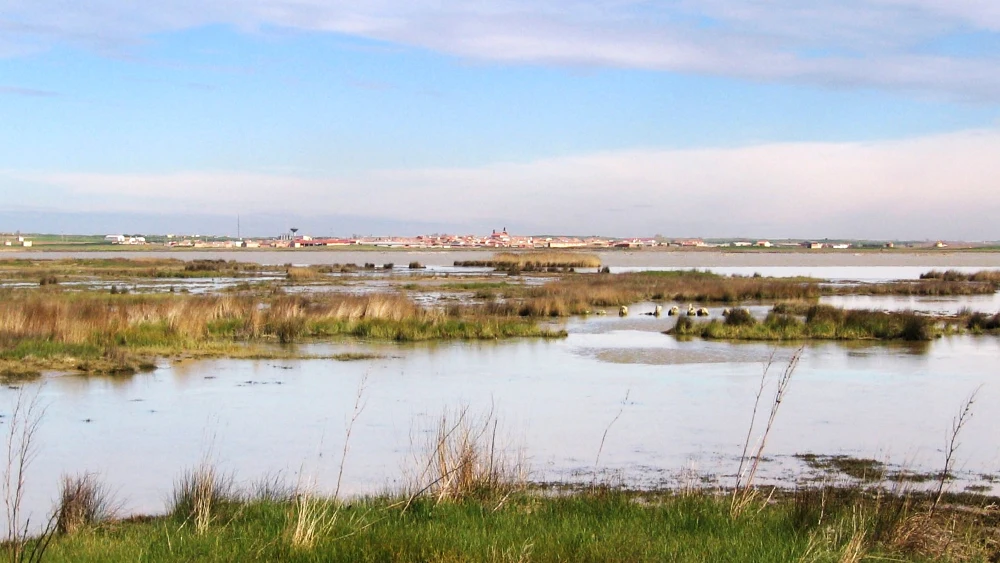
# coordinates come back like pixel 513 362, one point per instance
pixel 590 526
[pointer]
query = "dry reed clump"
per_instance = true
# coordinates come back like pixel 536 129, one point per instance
pixel 299 274
pixel 535 260
pixel 311 519
pixel 580 293
pixel 199 493
pixel 984 276
pixel 464 460
pixel 84 501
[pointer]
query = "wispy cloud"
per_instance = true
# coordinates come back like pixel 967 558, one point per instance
pixel 872 43
pixel 919 188
pixel 28 92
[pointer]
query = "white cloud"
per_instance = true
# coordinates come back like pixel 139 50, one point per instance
pixel 933 187
pixel 841 42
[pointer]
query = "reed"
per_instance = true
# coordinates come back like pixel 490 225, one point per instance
pixel 535 260
pixel 98 332
pixel 822 322
pixel 297 274
pixel 198 494
pixel 984 276
pixel 122 268
pixel 465 460
pixel 84 501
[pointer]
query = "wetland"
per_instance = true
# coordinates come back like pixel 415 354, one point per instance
pixel 258 365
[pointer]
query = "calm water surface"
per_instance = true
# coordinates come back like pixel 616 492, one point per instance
pixel 688 405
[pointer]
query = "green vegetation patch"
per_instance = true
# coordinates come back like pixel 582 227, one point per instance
pixel 821 322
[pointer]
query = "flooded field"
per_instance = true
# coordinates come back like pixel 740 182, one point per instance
pixel 685 418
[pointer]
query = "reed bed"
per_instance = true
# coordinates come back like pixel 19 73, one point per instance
pixel 983 276
pixel 103 333
pixel 125 268
pixel 535 260
pixel 580 294
pixel 821 322
pixel 923 287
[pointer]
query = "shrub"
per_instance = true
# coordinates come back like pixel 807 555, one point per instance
pixel 684 325
pixel 740 317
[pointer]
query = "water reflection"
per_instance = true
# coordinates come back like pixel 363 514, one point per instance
pixel 690 402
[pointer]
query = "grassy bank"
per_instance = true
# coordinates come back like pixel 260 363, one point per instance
pixel 820 322
pixel 594 525
pixel 99 332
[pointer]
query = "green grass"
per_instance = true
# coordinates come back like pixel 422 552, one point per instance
pixel 591 526
pixel 822 322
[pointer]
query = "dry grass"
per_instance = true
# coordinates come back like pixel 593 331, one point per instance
pixel 465 461
pixel 83 502
pixel 311 519
pixel 532 260
pixel 198 494
pixel 98 332
pixel 295 274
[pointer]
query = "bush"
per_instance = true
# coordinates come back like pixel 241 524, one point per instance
pixel 740 317
pixel 981 321
pixel 684 325
pixel 916 327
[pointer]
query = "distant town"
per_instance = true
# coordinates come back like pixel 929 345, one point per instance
pixel 497 239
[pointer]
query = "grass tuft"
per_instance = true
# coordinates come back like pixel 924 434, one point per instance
pixel 84 501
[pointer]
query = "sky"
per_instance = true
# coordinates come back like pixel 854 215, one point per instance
pixel 873 119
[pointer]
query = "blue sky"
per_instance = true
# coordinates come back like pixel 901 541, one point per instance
pixel 859 118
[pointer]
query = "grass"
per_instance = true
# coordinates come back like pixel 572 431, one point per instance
pixel 98 332
pixel 581 293
pixel 530 261
pixel 982 276
pixel 601 525
pixel 123 268
pixel 821 322
pixel 84 502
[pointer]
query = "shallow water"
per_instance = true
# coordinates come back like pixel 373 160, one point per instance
pixel 745 261
pixel 688 405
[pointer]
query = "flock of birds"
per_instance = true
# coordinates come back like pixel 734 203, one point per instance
pixel 673 311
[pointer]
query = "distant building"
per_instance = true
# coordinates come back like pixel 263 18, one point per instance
pixel 940 244
pixel 763 244
pixel 115 239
